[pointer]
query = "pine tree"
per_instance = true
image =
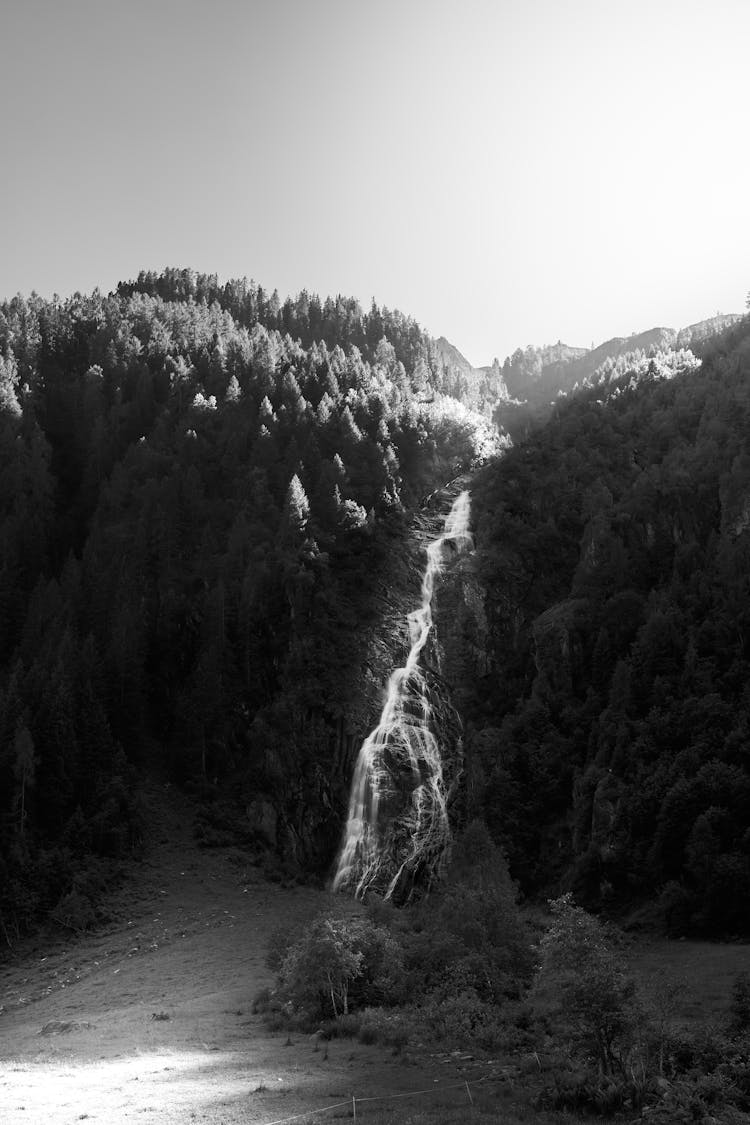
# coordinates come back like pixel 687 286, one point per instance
pixel 10 407
pixel 296 509
pixel 233 391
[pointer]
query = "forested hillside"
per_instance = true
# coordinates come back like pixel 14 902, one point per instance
pixel 612 729
pixel 481 388
pixel 198 486
pixel 201 489
pixel 537 376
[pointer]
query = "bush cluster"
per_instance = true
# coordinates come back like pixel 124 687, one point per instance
pixel 457 970
pixel 441 969
pixel 603 1048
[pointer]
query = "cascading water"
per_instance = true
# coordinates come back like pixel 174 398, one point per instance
pixel 397 828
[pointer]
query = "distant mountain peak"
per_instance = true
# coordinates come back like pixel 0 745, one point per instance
pixel 449 351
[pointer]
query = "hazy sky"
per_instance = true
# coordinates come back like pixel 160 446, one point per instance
pixel 506 171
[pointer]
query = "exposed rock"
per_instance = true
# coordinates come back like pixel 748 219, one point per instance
pixel 399 831
pixel 558 645
pixel 460 643
pixel 302 814
pixel 415 838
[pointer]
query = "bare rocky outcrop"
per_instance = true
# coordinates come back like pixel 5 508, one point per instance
pixel 462 629
pixel 558 645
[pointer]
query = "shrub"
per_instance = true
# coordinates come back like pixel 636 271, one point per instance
pixel 586 1091
pixel 392 1029
pixel 261 1000
pixel 471 932
pixel 368 1033
pixel 704 1097
pixel 75 911
pixel 461 1018
pixel 340 961
pixel 345 1027
pixel 278 946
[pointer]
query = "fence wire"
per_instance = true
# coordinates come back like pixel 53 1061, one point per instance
pixel 354 1101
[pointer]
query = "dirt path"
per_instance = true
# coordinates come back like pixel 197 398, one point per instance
pixel 150 1019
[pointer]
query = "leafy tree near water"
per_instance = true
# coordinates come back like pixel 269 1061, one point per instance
pixel 591 996
pixel 324 963
pixel 336 958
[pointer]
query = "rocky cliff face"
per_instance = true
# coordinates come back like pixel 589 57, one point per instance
pixel 299 812
pixel 416 802
pixel 302 818
pixel 461 628
pixel 558 636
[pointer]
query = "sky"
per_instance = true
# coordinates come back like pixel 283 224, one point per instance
pixel 508 172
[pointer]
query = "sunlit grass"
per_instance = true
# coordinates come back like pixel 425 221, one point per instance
pixel 174 1086
pixel 165 1083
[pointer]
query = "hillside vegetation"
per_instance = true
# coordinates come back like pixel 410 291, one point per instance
pixel 540 374
pixel 195 483
pixel 612 729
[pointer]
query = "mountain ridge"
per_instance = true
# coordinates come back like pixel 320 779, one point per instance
pixel 537 374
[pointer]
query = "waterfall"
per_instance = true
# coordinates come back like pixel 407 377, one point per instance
pixel 397 827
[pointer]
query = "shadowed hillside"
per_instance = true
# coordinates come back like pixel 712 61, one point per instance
pixel 612 722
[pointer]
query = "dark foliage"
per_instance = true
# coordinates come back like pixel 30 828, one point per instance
pixel 197 487
pixel 614 720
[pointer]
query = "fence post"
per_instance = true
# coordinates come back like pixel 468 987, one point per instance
pixel 354 1108
pixel 468 1091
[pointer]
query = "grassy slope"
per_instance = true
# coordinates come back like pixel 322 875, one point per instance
pixel 702 971
pixel 188 938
